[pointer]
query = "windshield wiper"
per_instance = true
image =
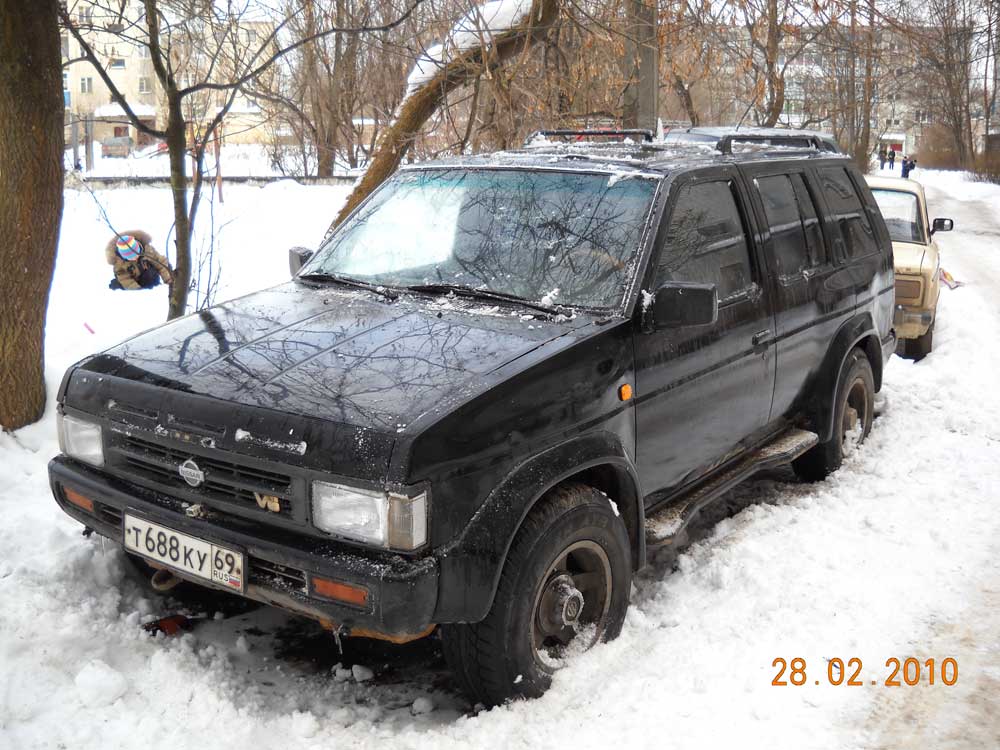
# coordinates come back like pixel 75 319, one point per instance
pixel 386 292
pixel 468 291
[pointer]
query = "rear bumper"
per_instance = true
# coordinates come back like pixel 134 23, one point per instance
pixel 402 592
pixel 911 322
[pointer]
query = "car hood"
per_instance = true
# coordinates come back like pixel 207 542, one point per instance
pixel 913 258
pixel 348 356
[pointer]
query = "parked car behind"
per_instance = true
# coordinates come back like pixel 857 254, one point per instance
pixel 501 384
pixel 917 260
pixel 117 146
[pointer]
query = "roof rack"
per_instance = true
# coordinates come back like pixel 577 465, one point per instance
pixel 646 135
pixel 805 141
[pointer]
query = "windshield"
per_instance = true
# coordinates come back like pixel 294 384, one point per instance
pixel 901 212
pixel 553 237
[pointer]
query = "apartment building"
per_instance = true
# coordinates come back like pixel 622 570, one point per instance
pixel 117 40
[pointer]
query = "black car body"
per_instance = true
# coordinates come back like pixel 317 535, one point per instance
pixel 487 405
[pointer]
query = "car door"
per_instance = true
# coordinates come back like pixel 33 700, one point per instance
pixel 704 390
pixel 812 292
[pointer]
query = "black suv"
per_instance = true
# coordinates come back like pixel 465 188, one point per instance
pixel 494 388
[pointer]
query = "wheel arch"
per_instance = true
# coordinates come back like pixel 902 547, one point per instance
pixel 859 332
pixel 473 562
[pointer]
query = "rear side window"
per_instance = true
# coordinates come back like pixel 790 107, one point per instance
pixel 810 221
pixel 850 216
pixel 706 241
pixel 788 236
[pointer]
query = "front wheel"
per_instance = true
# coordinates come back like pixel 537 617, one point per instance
pixel 854 411
pixel 563 589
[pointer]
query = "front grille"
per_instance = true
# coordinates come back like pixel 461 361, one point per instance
pixel 276 576
pixel 227 481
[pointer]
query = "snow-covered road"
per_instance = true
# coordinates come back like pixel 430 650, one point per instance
pixel 894 556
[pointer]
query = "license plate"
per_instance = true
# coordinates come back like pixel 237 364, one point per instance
pixel 220 566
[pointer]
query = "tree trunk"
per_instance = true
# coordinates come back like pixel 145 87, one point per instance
pixel 31 182
pixel 683 93
pixel 774 80
pixel 418 107
pixel 177 149
pixel 642 54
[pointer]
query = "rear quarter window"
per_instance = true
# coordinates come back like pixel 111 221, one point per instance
pixel 848 212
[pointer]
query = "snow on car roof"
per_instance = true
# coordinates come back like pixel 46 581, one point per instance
pixel 655 159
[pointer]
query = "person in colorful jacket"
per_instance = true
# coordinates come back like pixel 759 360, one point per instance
pixel 136 262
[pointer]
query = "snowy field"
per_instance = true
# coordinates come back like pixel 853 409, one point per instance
pixel 894 556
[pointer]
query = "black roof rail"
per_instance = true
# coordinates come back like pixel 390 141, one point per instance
pixel 647 135
pixel 725 144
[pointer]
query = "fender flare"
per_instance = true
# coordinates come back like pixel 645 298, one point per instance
pixel 471 564
pixel 859 330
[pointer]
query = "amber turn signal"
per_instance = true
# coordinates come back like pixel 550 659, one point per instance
pixel 624 392
pixel 79 500
pixel 341 592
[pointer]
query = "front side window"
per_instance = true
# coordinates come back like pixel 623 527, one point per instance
pixel 562 237
pixel 842 197
pixel 901 212
pixel 706 241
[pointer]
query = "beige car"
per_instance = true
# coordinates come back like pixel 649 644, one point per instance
pixel 916 258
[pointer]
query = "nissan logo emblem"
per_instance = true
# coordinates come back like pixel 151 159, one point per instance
pixel 190 473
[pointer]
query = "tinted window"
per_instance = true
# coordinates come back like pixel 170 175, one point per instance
pixel 810 222
pixel 848 212
pixel 705 240
pixel 788 238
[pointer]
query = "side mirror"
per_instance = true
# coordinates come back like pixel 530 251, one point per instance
pixel 683 303
pixel 297 257
pixel 942 225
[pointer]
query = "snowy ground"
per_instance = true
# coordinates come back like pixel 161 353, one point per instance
pixel 894 556
pixel 236 160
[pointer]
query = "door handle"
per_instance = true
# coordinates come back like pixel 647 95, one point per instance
pixel 761 339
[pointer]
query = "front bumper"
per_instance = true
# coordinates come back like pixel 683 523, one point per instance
pixel 402 592
pixel 911 322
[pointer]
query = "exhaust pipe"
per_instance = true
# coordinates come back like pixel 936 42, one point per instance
pixel 163 580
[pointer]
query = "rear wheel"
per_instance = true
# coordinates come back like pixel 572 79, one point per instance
pixel 918 348
pixel 854 411
pixel 564 588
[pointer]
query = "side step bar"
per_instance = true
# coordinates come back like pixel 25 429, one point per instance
pixel 665 528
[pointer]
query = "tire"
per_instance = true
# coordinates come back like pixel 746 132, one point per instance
pixel 918 348
pixel 496 659
pixel 854 410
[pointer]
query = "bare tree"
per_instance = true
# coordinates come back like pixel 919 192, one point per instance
pixel 175 32
pixel 447 70
pixel 31 172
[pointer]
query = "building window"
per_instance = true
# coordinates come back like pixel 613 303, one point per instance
pixel 251 36
pixel 65 81
pixel 116 62
pixel 87 85
pixel 64 41
pixel 142 51
pixel 85 15
pixel 144 87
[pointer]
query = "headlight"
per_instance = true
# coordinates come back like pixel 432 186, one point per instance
pixel 379 518
pixel 80 439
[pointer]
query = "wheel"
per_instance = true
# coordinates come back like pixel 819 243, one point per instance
pixel 918 348
pixel 854 410
pixel 563 589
